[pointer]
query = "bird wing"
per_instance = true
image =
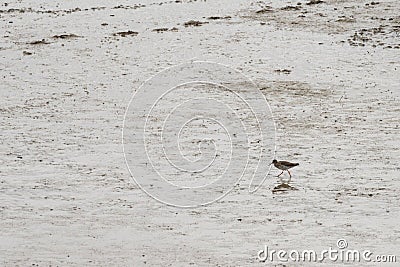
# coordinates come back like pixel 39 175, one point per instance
pixel 289 164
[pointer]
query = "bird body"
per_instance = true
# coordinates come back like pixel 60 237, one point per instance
pixel 284 166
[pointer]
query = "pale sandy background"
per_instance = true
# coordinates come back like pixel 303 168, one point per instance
pixel 330 72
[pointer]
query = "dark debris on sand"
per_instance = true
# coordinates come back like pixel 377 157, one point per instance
pixel 314 2
pixel 217 17
pixel 65 36
pixel 125 33
pixel 38 42
pixel 161 30
pixel 266 9
pixel 194 23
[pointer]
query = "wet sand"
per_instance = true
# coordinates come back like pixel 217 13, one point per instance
pixel 329 70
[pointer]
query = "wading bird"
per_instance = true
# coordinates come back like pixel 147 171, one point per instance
pixel 284 166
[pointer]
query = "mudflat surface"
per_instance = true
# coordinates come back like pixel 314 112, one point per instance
pixel 330 73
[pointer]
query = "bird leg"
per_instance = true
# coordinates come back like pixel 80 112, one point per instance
pixel 280 174
pixel 289 173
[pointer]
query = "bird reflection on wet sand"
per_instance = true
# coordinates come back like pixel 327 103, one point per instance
pixel 283 188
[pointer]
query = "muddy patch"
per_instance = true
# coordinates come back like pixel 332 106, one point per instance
pixel 293 88
pixel 366 23
pixel 376 37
